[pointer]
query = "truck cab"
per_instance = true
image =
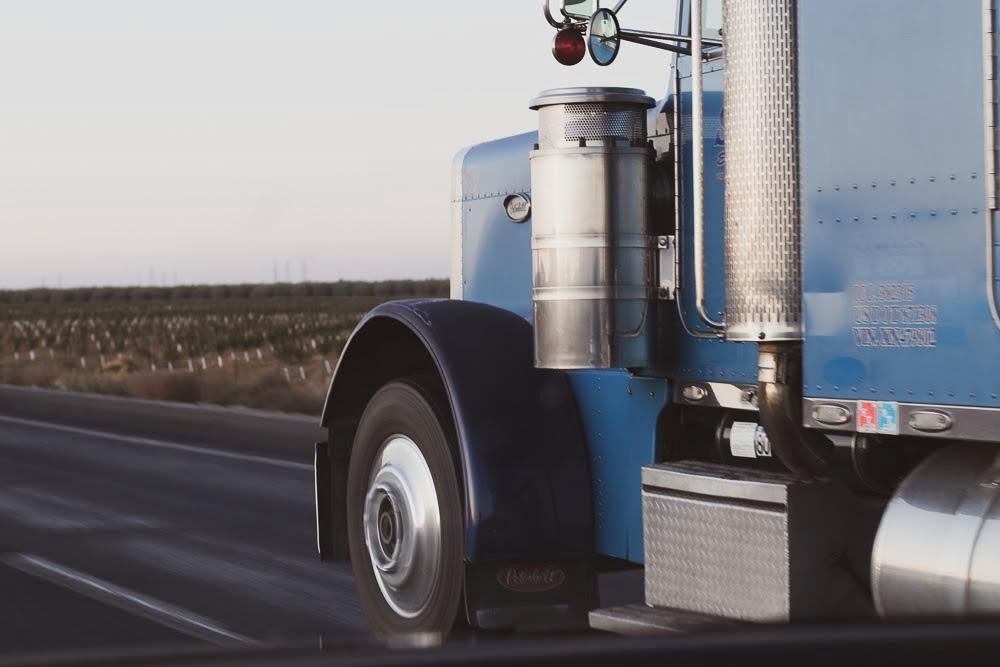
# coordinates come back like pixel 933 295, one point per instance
pixel 742 334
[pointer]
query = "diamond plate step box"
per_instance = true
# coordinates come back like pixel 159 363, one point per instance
pixel 740 544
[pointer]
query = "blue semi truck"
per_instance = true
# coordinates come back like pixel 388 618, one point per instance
pixel 745 337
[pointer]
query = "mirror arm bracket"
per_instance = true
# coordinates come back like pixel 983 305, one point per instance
pixel 711 52
pixel 629 37
pixel 707 42
pixel 547 11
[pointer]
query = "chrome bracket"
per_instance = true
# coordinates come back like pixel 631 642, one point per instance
pixel 990 70
pixel 990 112
pixel 667 263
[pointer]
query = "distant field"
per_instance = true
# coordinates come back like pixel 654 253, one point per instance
pixel 270 347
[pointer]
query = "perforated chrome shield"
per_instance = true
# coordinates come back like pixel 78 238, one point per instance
pixel 763 230
pixel 599 122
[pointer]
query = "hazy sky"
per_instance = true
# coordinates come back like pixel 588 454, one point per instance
pixel 212 139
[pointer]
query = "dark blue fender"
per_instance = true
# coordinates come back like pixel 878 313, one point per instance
pixel 524 462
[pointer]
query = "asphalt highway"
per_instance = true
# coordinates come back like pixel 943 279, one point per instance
pixel 140 525
pixel 118 541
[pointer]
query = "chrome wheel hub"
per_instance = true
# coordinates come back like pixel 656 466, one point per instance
pixel 402 524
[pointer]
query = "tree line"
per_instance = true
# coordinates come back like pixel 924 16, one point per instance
pixel 388 289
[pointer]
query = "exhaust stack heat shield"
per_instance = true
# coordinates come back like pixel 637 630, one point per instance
pixel 763 226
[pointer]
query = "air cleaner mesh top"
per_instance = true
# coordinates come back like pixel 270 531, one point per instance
pixel 598 122
pixel 597 116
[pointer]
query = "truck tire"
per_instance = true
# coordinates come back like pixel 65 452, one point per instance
pixel 404 507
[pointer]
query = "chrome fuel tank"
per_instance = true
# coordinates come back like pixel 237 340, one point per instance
pixel 937 552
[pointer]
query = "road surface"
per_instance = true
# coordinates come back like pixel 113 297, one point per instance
pixel 146 525
pixel 110 540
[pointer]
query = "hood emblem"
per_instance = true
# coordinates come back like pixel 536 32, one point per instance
pixel 517 207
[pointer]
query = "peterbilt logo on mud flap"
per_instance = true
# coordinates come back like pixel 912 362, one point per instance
pixel 531 578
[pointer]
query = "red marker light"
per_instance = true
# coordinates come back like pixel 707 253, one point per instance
pixel 569 47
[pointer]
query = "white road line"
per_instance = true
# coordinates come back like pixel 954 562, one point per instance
pixel 140 605
pixel 162 444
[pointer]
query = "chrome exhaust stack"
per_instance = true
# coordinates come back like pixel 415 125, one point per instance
pixel 763 254
pixel 763 221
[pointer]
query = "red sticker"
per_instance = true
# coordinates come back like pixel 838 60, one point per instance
pixel 867 417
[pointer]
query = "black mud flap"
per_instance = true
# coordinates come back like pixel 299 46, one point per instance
pixel 530 596
pixel 330 474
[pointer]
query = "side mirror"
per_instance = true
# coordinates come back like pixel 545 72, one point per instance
pixel 580 9
pixel 604 37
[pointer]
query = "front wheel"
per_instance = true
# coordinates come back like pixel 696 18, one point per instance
pixel 405 512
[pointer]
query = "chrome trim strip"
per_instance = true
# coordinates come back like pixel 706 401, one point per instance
pixel 458 225
pixel 991 268
pixel 990 100
pixel 969 423
pixel 708 479
pixel 698 163
pixel 666 267
pixel 719 395
pixel 990 113
pixel 678 148
pixel 561 241
pixel 596 292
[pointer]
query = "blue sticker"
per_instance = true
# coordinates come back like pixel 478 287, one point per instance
pixel 888 418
